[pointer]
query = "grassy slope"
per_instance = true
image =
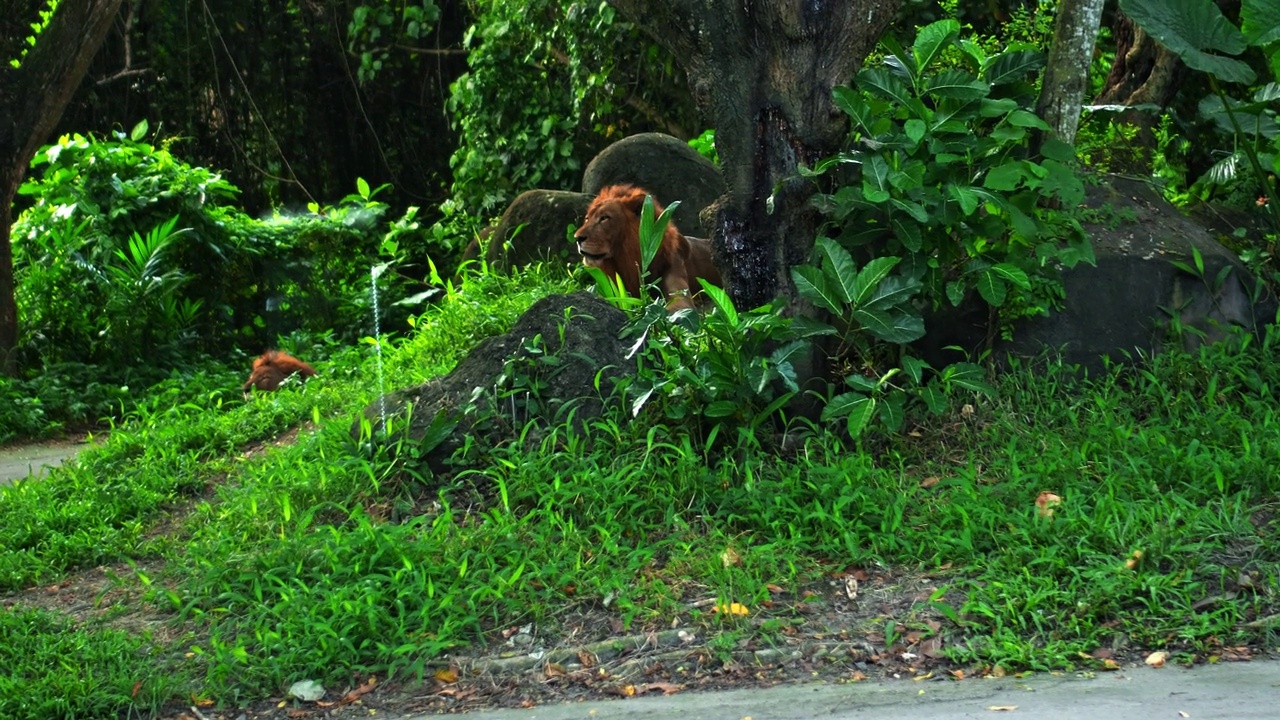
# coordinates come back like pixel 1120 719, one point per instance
pixel 327 557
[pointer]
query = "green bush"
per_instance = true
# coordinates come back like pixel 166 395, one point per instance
pixel 172 270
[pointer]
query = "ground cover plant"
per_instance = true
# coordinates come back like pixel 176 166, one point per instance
pixel 332 558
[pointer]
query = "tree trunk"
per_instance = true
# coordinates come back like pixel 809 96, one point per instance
pixel 34 96
pixel 1067 76
pixel 1143 71
pixel 761 72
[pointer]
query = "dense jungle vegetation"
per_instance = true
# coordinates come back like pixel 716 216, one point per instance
pixel 230 177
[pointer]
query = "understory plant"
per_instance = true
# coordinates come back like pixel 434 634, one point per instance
pixel 175 271
pixel 941 198
pixel 1198 33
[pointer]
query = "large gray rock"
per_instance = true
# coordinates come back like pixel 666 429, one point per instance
pixel 1135 301
pixel 536 227
pixel 666 167
pixel 545 368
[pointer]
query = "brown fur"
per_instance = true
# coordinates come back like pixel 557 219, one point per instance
pixel 273 367
pixel 609 239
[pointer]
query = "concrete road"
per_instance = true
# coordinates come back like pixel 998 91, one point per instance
pixel 18 462
pixel 1227 691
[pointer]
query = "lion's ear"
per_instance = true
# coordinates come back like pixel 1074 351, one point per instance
pixel 635 201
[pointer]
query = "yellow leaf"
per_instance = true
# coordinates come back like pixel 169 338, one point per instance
pixel 731 609
pixel 1157 658
pixel 448 676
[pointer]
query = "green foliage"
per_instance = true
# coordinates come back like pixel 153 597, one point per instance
pixel 56 670
pixel 548 87
pixel 101 232
pixel 941 177
pixel 872 309
pixel 375 29
pixel 1198 33
pixel 330 556
pixel 705 144
pixel 731 368
pixel 46 14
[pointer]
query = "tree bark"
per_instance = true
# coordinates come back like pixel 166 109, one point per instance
pixel 34 96
pixel 1143 71
pixel 1067 75
pixel 762 72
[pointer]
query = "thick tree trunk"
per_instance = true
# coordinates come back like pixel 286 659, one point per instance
pixel 1067 76
pixel 1143 71
pixel 33 96
pixel 762 72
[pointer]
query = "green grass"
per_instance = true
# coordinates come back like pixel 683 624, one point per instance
pixel 333 556
pixel 53 669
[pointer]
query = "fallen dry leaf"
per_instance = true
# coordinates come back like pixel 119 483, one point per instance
pixel 586 658
pixel 1046 502
pixel 1157 658
pixel 851 587
pixel 957 674
pixel 448 675
pixel 730 557
pixel 554 670
pixel 1003 708
pixel 1134 558
pixel 929 482
pixel 665 688
pixel 1109 664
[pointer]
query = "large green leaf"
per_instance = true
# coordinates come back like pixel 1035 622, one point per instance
pixel 931 39
pixel 812 286
pixel 722 301
pixel 885 83
pixel 852 103
pixel 1191 28
pixel 1260 21
pixel 841 405
pixel 957 84
pixel 894 327
pixel 860 414
pixel 1062 181
pixel 992 288
pixel 839 269
pixel 1012 66
pixel 869 279
pixel 1005 177
pixel 875 179
pixel 893 291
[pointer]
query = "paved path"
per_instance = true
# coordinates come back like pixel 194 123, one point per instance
pixel 18 462
pixel 1227 691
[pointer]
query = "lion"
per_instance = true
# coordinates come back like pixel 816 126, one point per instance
pixel 609 239
pixel 273 367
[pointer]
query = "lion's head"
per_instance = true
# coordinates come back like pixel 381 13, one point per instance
pixel 609 239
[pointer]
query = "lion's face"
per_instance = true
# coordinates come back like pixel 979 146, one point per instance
pixel 606 227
